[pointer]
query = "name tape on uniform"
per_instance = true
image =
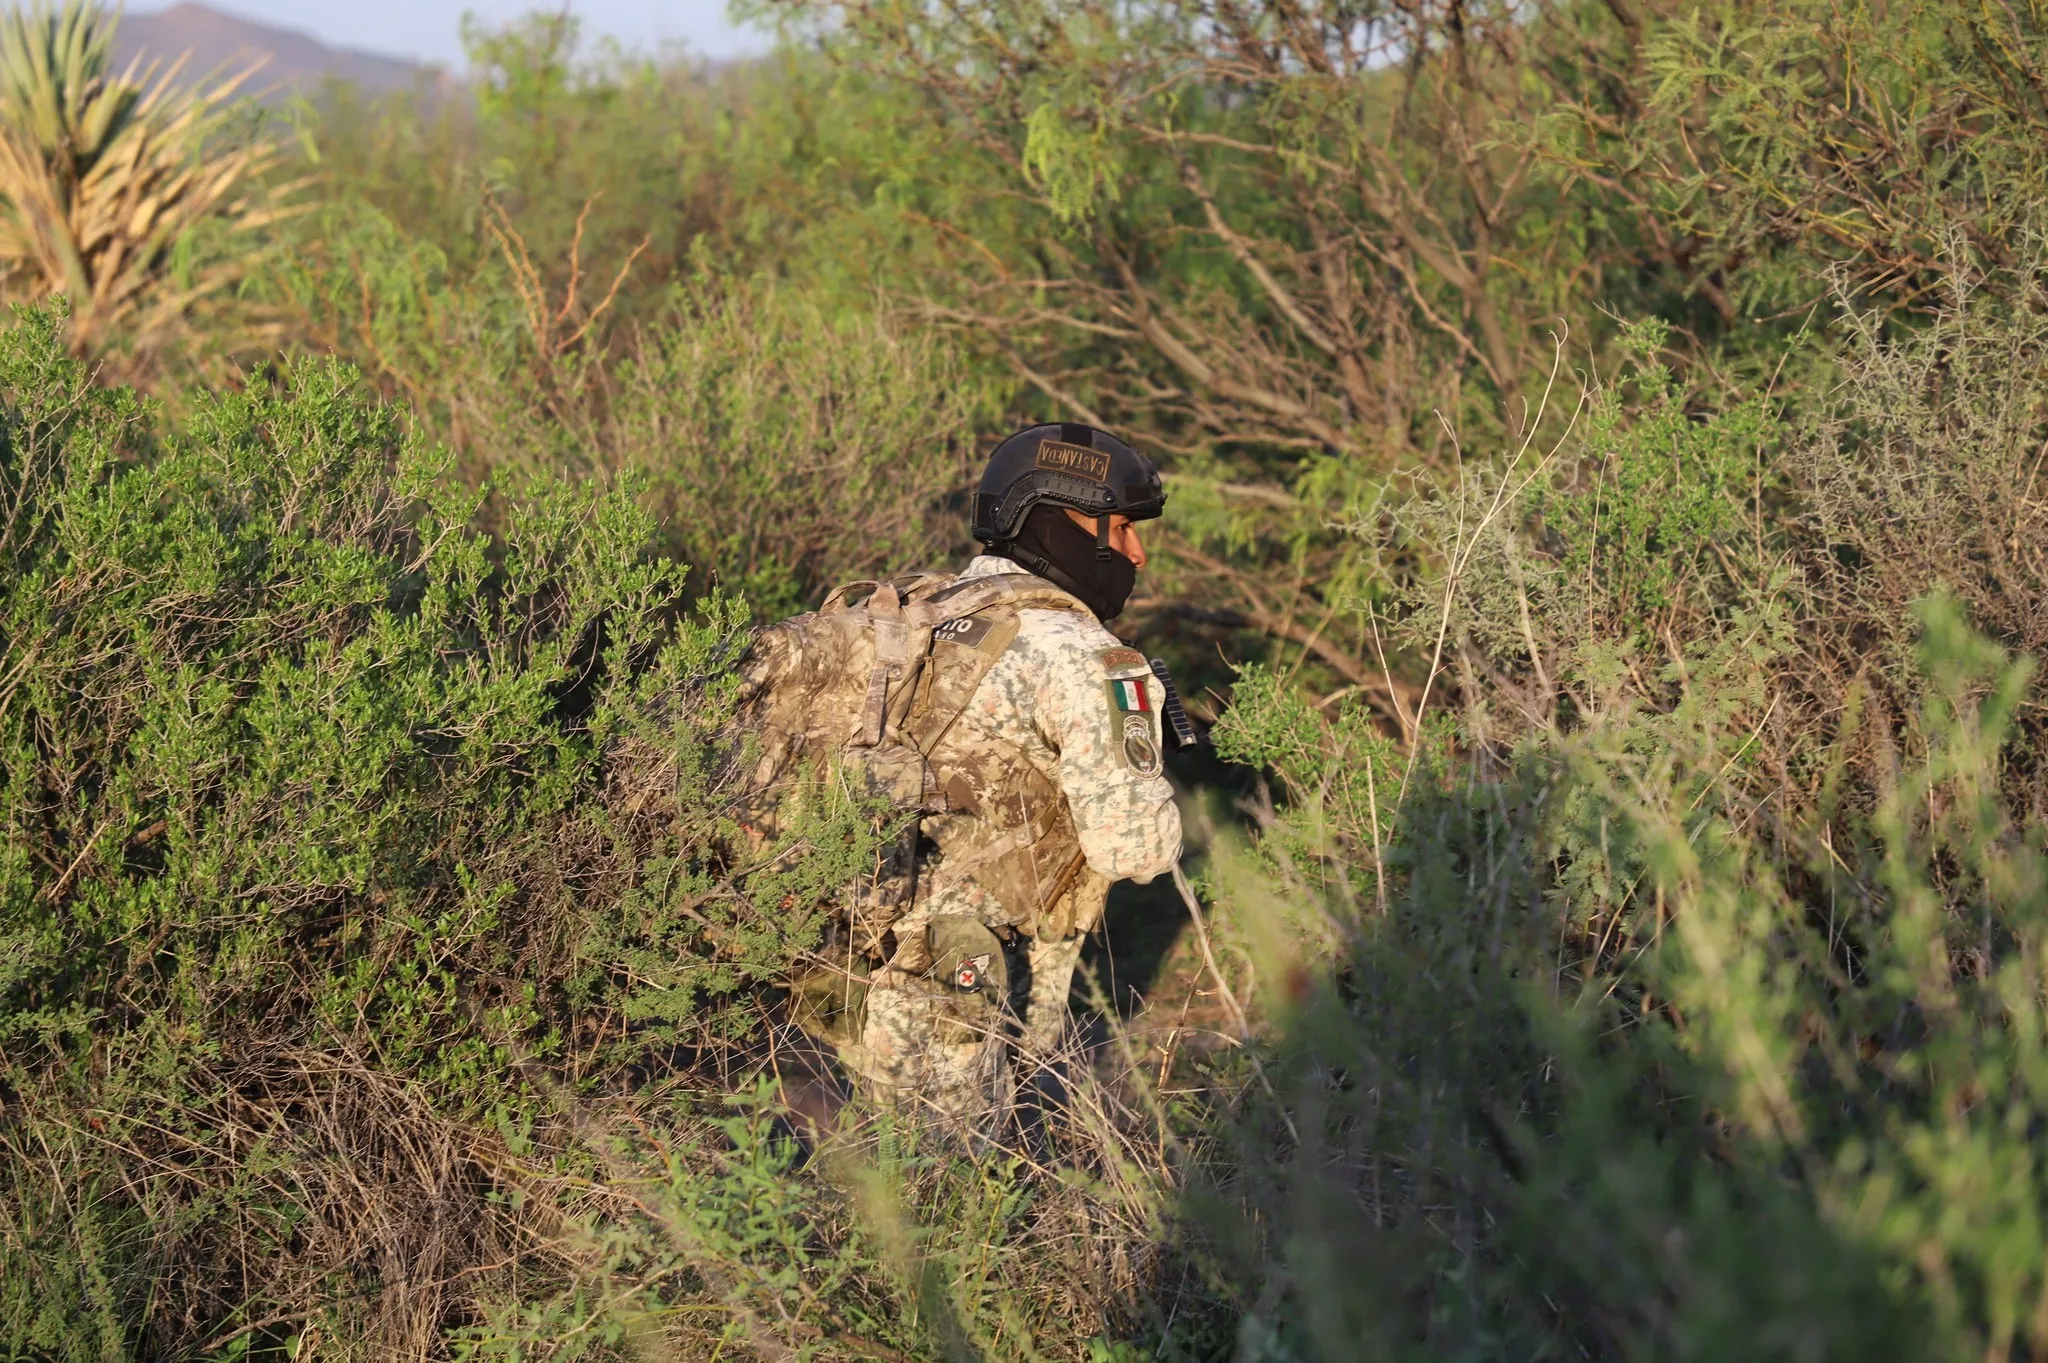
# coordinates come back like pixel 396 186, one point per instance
pixel 1058 456
pixel 966 629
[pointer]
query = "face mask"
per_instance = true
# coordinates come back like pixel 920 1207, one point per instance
pixel 1064 554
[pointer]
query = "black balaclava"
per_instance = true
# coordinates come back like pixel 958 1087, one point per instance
pixel 1051 545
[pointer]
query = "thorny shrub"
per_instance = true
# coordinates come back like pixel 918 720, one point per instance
pixel 303 845
pixel 381 971
pixel 1680 995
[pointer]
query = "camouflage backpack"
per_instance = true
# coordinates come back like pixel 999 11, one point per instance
pixel 856 684
pixel 857 688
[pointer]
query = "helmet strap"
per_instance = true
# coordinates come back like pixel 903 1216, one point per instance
pixel 1102 549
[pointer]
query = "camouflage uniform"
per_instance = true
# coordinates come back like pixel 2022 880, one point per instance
pixel 1054 788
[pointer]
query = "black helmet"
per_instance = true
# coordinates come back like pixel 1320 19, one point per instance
pixel 1079 467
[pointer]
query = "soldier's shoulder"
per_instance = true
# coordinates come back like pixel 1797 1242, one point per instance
pixel 1072 639
pixel 1065 630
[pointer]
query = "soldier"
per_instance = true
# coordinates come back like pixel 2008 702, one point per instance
pixel 1052 772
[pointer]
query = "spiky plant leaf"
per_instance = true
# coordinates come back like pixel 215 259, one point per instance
pixel 102 174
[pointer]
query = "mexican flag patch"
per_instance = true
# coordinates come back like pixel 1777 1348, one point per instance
pixel 1129 695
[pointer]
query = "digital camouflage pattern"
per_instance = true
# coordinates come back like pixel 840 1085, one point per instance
pixel 1042 723
pixel 1052 789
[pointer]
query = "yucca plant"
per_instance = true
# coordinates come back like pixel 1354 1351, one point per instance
pixel 105 176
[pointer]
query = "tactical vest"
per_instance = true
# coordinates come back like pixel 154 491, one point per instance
pixel 873 684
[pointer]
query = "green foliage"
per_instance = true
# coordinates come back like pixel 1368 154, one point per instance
pixel 1343 776
pixel 790 447
pixel 1612 1082
pixel 370 901
pixel 760 1237
pixel 1780 140
pixel 1696 1015
pixel 786 437
pixel 302 777
pixel 1667 491
pixel 1928 477
pixel 127 192
pixel 1642 916
pixel 623 147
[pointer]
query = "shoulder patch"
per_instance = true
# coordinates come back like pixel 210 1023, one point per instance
pixel 967 630
pixel 1141 751
pixel 1123 659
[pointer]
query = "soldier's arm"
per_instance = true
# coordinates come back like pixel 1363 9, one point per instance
pixel 1099 709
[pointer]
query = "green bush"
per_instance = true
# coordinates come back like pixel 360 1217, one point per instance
pixel 1685 1005
pixel 1641 919
pixel 381 960
pixel 786 445
pixel 305 854
pixel 1627 1067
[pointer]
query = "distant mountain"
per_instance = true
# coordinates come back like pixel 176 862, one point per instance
pixel 298 62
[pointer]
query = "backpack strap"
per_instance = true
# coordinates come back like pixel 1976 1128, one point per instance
pixel 920 585
pixel 894 628
pixel 903 612
pixel 1019 591
pixel 898 651
pixel 940 701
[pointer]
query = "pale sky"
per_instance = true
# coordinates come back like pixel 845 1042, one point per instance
pixel 426 30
